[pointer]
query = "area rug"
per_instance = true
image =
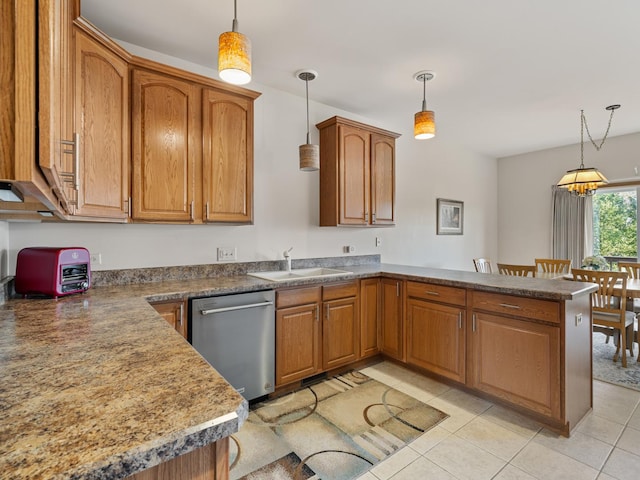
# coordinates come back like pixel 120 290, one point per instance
pixel 333 430
pixel 604 369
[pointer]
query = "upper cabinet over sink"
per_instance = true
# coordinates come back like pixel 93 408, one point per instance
pixel 357 174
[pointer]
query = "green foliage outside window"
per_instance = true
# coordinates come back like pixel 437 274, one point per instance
pixel 615 224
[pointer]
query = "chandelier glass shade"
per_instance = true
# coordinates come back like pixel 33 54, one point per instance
pixel 585 181
pixel 234 55
pixel 424 122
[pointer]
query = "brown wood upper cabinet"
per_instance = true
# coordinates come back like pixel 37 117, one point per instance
pixel 357 174
pixel 101 121
pixel 192 149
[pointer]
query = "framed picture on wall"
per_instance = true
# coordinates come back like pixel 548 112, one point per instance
pixel 450 215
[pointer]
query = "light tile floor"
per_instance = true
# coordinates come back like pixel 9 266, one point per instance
pixel 481 440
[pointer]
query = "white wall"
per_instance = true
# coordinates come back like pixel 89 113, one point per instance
pixel 524 191
pixel 286 203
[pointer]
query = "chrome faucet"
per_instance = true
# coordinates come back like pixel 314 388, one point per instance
pixel 287 257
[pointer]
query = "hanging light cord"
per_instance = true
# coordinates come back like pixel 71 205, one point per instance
pixel 424 93
pixel 234 25
pixel 306 81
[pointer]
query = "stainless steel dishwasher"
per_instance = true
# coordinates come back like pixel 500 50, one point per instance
pixel 236 335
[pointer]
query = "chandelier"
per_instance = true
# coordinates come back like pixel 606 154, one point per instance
pixel 585 181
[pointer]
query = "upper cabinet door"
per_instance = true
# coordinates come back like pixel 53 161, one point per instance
pixel 354 176
pixel 383 184
pixel 54 111
pixel 227 158
pixel 165 129
pixel 102 122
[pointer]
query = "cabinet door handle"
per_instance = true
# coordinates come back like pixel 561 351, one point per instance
pixel 181 314
pixel 430 292
pixel 460 320
pixel 206 215
pixel 317 314
pixel 473 322
pixel 508 305
pixel 373 218
pixel 366 217
pixel 397 289
pixel 191 210
pixel 326 311
pixel 129 206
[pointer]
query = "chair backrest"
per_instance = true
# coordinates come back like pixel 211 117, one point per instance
pixel 632 269
pixel 517 270
pixel 607 299
pixel 483 265
pixel 553 265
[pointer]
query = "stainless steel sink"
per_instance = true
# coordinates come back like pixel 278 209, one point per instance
pixel 299 274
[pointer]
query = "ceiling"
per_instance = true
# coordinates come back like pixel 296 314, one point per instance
pixel 510 76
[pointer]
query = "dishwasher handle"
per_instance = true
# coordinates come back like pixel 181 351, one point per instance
pixel 236 307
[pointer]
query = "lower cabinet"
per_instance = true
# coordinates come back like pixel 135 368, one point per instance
pixel 435 329
pixel 370 301
pixel 305 345
pixel 340 344
pixel 391 319
pixel 518 361
pixel 173 311
pixel 298 333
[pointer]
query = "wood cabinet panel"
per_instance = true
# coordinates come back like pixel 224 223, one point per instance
pixel 298 296
pixel 370 300
pixel 337 290
pixel 354 176
pixel 297 343
pixel 517 361
pixel 545 310
pixel 174 313
pixel 383 186
pixel 166 128
pixel 392 321
pixel 437 293
pixel 435 338
pixel 102 122
pixel 227 157
pixel 340 332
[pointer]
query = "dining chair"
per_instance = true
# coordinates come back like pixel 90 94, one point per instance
pixel 608 306
pixel 553 265
pixel 483 265
pixel 517 270
pixel 633 270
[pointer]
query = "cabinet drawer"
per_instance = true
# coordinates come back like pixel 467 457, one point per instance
pixel 297 296
pixel 545 310
pixel 334 291
pixel 437 293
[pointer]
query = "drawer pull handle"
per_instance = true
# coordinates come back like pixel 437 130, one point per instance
pixel 473 323
pixel 508 305
pixel 460 320
pixel 429 292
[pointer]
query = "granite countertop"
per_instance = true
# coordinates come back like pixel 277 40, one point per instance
pixel 98 385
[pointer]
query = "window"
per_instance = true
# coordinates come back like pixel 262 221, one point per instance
pixel 615 224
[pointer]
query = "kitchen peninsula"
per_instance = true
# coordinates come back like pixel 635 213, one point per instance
pixel 99 386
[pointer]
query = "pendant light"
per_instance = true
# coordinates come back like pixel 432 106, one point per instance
pixel 309 154
pixel 424 125
pixel 585 181
pixel 234 54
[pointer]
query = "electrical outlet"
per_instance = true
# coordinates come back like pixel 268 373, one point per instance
pixel 227 254
pixel 95 258
pixel 578 319
pixel 349 249
pixel 378 241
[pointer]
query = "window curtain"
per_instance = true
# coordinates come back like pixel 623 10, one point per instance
pixel 572 226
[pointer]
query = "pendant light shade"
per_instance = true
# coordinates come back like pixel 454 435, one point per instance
pixel 234 55
pixel 585 181
pixel 309 153
pixel 424 124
